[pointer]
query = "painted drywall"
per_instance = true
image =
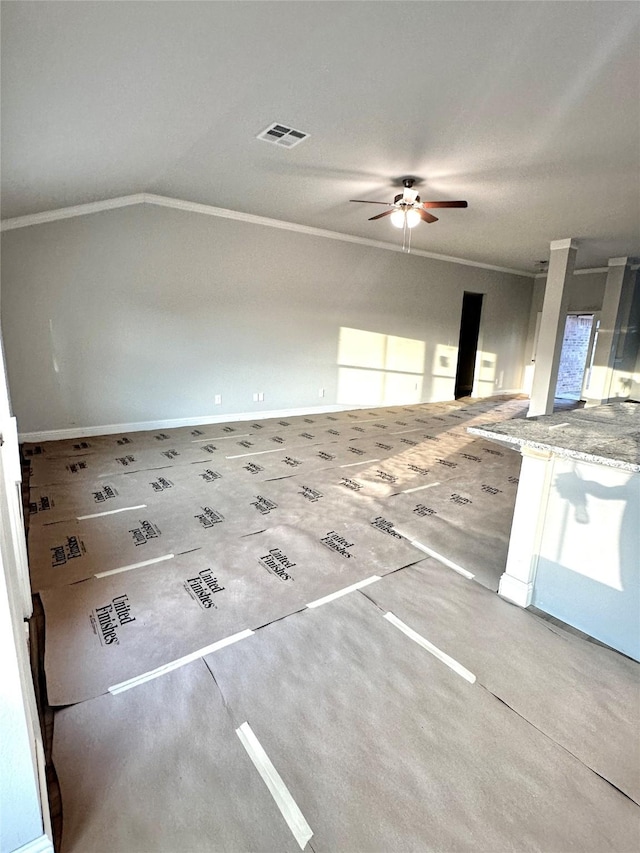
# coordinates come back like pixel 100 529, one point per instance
pixel 147 313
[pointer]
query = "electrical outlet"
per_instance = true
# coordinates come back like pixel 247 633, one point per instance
pixel 217 399
pixel 321 392
pixel 261 396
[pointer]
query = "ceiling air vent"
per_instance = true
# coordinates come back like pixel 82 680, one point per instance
pixel 282 135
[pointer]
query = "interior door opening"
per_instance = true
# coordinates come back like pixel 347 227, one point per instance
pixel 576 358
pixel 468 343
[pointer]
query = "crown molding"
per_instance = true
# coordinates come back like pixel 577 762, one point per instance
pixel 223 213
pixel 70 212
pixel 579 272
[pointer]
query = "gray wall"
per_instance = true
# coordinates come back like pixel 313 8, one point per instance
pixel 145 313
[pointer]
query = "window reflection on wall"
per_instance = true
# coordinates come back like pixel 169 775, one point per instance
pixel 485 374
pixel 445 361
pixel 376 369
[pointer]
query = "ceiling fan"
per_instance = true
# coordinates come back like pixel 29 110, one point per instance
pixel 406 208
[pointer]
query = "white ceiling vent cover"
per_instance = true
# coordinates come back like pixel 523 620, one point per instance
pixel 282 135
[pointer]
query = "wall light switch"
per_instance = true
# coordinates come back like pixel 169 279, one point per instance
pixel 260 396
pixel 217 399
pixel 321 392
pixel 255 397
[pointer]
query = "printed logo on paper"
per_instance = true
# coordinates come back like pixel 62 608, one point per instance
pixel 71 549
pixel 107 620
pixel 202 588
pixel 43 504
pixel 264 505
pixel 161 484
pixel 277 562
pixel 424 511
pixel 209 517
pixel 338 544
pixel 106 493
pixel 385 526
pixel 310 494
pixel 145 533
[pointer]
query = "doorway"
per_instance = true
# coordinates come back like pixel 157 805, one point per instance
pixel 468 343
pixel 573 359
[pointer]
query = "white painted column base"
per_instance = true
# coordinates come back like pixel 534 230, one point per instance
pixel 516 584
pixel 516 591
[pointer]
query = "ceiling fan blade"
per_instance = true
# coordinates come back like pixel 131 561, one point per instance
pixel 444 203
pixel 380 215
pixel 366 201
pixel 427 217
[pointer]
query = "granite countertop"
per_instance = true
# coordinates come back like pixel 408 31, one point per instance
pixel 607 435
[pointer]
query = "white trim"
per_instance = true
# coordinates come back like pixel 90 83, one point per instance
pixel 42 844
pixel 578 272
pixel 172 423
pixel 70 212
pixel 516 591
pixel 567 243
pixel 203 420
pixel 224 213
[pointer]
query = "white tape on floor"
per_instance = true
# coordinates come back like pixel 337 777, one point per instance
pixel 255 453
pixel 176 664
pixel 439 557
pixel 296 822
pixel 135 566
pixel 419 488
pixel 436 652
pixel 364 462
pixel 219 438
pixel 319 601
pixel 109 512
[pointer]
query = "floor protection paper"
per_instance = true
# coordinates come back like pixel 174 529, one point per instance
pixel 385 748
pixel 159 769
pixel 130 623
pixel 583 696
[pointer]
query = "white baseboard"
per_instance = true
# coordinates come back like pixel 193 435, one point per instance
pixel 42 844
pixel 172 423
pixel 516 591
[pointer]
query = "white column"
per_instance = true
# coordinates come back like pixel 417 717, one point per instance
pixel 516 584
pixel 562 258
pixel 614 319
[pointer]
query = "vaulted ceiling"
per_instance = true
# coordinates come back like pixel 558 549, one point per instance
pixel 528 110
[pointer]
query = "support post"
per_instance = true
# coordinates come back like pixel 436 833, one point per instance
pixel 614 319
pixel 562 260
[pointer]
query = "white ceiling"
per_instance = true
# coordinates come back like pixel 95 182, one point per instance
pixel 529 110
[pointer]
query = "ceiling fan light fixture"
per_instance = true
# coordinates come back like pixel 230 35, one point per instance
pixel 413 217
pixel 397 218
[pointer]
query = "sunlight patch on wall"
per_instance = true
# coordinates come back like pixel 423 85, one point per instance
pixel 379 370
pixel 485 378
pixel 445 362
